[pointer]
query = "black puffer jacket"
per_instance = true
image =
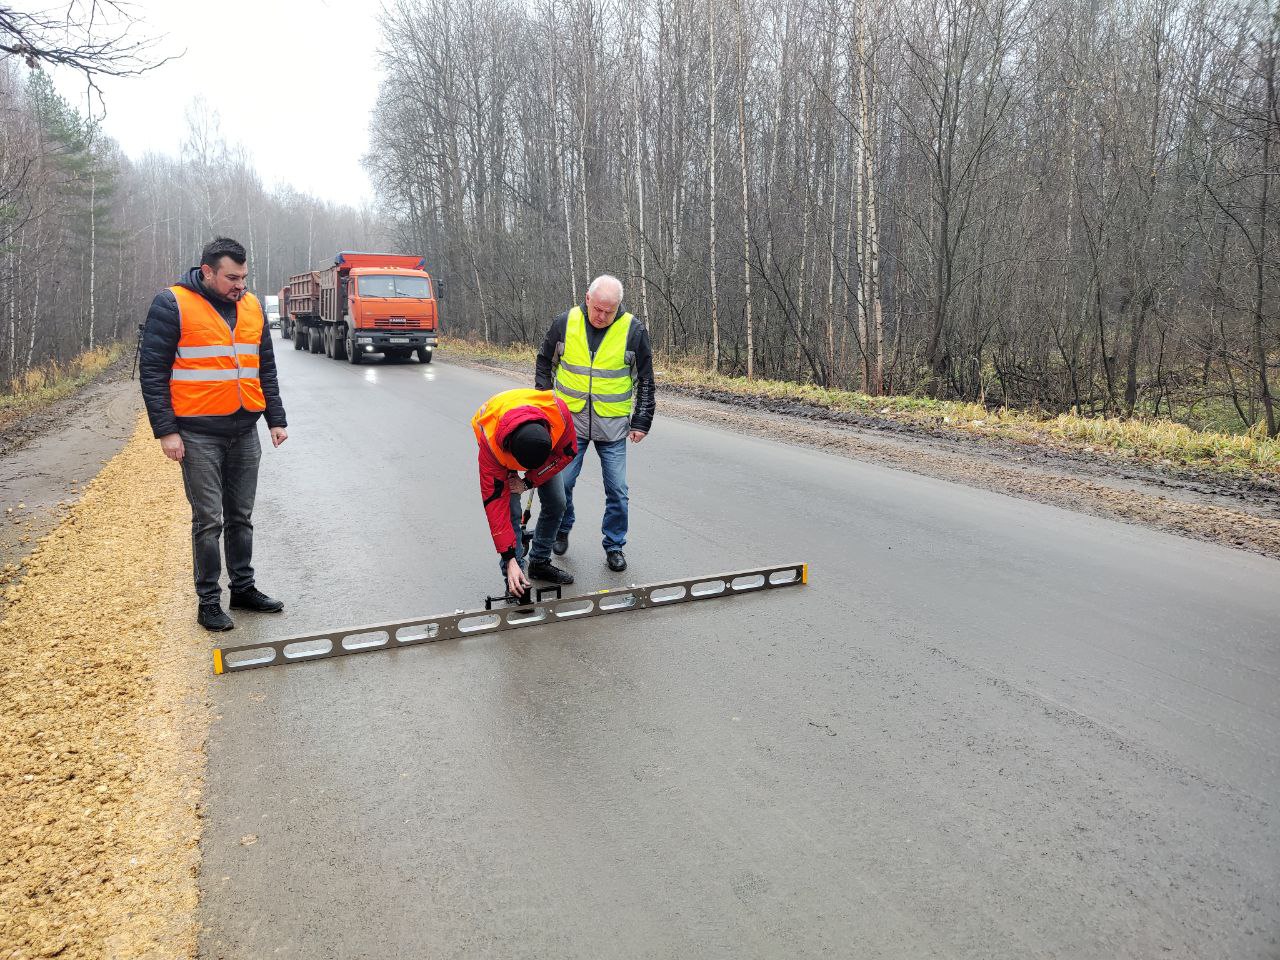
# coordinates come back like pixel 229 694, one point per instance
pixel 155 364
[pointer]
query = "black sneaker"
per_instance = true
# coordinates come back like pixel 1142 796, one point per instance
pixel 616 561
pixel 212 617
pixel 561 545
pixel 549 573
pixel 255 599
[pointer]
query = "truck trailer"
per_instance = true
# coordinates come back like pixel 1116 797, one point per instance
pixel 363 304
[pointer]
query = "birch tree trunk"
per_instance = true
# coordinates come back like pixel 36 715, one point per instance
pixel 93 251
pixel 14 286
pixel 639 179
pixel 564 183
pixel 865 122
pixel 746 200
pixel 711 186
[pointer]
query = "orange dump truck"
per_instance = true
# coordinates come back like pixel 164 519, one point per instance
pixel 363 304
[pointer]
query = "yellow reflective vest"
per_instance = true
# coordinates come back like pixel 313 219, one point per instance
pixel 605 380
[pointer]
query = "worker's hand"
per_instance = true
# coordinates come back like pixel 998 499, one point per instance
pixel 637 435
pixel 278 436
pixel 515 484
pixel 171 444
pixel 517 582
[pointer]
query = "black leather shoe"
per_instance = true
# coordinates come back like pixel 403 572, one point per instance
pixel 549 573
pixel 255 599
pixel 212 617
pixel 561 545
pixel 616 561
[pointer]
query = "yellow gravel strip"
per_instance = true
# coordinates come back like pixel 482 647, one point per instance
pixel 103 717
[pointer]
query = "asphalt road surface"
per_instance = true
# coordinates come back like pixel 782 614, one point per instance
pixel 986 728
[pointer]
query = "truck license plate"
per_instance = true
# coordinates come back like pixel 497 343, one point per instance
pixel 398 340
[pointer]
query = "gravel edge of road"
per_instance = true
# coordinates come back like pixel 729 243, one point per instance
pixel 105 715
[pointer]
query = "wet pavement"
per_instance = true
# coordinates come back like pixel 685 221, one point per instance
pixel 986 728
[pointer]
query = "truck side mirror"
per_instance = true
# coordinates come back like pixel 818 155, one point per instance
pixel 439 289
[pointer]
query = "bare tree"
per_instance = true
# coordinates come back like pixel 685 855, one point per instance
pixel 87 237
pixel 1067 204
pixel 95 37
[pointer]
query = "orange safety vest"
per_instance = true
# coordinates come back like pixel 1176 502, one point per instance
pixel 215 372
pixel 488 419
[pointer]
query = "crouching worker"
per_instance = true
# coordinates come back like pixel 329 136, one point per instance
pixel 529 431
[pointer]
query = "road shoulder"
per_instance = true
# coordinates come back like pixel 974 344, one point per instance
pixel 1220 510
pixel 105 718
pixel 48 456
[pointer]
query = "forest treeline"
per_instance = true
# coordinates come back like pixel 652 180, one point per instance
pixel 1064 204
pixel 1068 204
pixel 87 236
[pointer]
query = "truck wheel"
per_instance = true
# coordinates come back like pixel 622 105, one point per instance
pixel 424 355
pixel 339 347
pixel 299 338
pixel 353 352
pixel 328 343
pixel 284 330
pixel 314 340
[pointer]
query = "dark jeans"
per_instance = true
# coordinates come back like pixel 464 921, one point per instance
pixel 613 469
pixel 550 509
pixel 221 478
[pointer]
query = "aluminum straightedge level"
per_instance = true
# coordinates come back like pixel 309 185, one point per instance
pixel 472 623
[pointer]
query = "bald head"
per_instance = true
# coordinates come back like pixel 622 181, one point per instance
pixel 603 297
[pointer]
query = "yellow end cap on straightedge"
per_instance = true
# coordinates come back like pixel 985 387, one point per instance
pixel 804 573
pixel 217 661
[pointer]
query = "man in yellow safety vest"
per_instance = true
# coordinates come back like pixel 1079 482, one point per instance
pixel 597 358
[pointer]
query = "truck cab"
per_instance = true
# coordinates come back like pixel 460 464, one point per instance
pixel 364 303
pixel 388 305
pixel 391 310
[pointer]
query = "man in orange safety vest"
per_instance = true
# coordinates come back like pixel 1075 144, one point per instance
pixel 208 374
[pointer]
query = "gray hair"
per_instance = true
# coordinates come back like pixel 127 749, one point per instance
pixel 605 278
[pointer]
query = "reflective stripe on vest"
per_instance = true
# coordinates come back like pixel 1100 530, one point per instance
pixel 488 418
pixel 578 372
pixel 213 375
pixel 195 353
pixel 215 371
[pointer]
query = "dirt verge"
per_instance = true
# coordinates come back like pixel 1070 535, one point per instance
pixel 1226 510
pixel 19 430
pixel 103 722
pixel 1257 492
pixel 48 456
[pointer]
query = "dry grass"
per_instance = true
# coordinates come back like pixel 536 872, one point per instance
pixel 41 386
pixel 1157 442
pixel 102 726
pixel 479 350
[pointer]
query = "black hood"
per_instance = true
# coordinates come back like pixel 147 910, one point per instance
pixel 194 281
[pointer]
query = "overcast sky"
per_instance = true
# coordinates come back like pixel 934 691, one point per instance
pixel 292 80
